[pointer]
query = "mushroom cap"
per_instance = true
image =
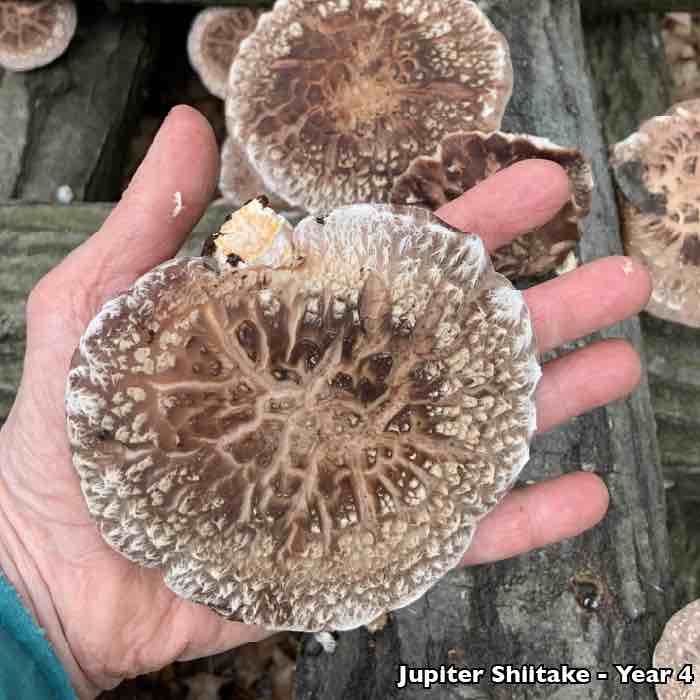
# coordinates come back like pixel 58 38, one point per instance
pixel 213 42
pixel 34 33
pixel 680 645
pixel 465 159
pixel 334 99
pixel 657 173
pixel 238 181
pixel 309 439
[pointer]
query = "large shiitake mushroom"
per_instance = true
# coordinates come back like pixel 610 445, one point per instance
pixel 333 100
pixel 304 428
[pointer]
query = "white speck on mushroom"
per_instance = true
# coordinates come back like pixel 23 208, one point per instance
pixel 627 268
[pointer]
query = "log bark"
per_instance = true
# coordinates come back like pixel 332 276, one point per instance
pixel 590 7
pixel 625 99
pixel 533 609
pixel 68 123
pixel 35 238
pixel 606 7
pixel 203 3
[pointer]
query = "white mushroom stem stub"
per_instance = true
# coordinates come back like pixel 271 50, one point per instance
pixel 309 438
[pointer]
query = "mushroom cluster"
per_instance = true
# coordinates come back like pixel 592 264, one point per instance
pixel 464 160
pixel 656 170
pixel 33 33
pixel 679 650
pixel 303 428
pixel 344 101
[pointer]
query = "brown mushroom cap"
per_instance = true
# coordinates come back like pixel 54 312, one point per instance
pixel 213 42
pixel 334 99
pixel 34 33
pixel 238 181
pixel 309 439
pixel 657 173
pixel 463 160
pixel 680 645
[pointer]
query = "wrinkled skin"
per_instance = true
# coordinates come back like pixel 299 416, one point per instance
pixel 108 618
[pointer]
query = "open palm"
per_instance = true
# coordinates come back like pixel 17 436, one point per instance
pixel 109 618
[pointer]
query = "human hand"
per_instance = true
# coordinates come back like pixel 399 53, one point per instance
pixel 108 618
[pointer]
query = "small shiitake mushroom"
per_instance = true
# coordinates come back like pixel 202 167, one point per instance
pixel 213 42
pixel 658 175
pixel 679 650
pixel 303 429
pixel 33 33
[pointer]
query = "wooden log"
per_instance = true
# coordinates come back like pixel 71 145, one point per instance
pixel 33 239
pixel 203 3
pixel 68 123
pixel 590 7
pixel 607 7
pixel 625 98
pixel 534 608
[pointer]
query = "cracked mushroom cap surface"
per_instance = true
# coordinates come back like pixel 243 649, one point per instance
pixel 238 181
pixel 658 175
pixel 33 33
pixel 334 99
pixel 307 439
pixel 213 42
pixel 465 159
pixel 678 647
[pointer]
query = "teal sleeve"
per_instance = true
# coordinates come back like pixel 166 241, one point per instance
pixel 29 668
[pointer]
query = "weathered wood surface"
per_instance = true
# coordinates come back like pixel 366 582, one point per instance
pixel 601 7
pixel 212 3
pixel 626 99
pixel 35 238
pixel 590 7
pixel 67 124
pixel 526 610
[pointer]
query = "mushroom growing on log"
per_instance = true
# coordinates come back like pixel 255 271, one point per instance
pixel 33 33
pixel 213 42
pixel 679 650
pixel 333 100
pixel 463 160
pixel 238 181
pixel 304 431
pixel 657 172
